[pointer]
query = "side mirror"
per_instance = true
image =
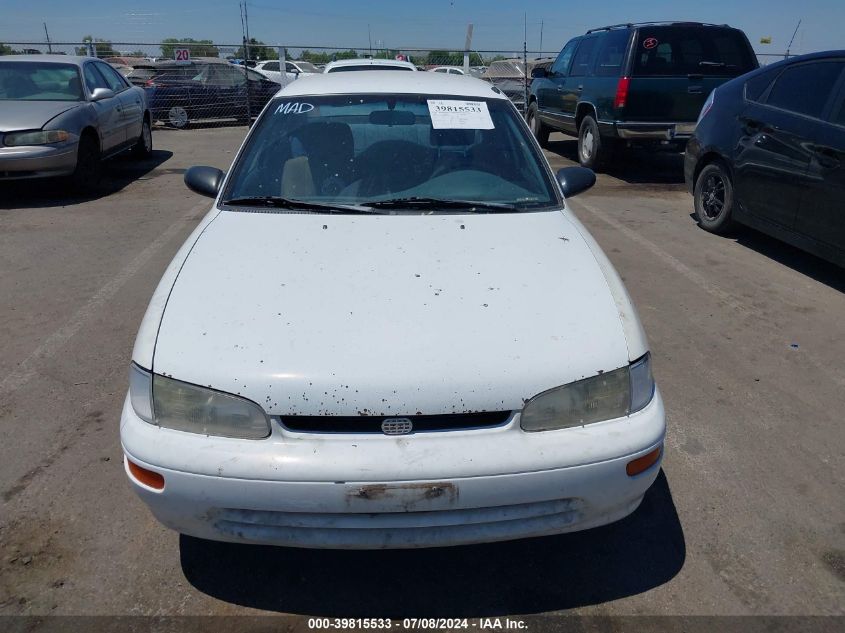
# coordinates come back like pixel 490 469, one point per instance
pixel 575 180
pixel 539 73
pixel 205 181
pixel 101 93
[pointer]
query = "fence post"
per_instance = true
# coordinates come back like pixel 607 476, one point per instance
pixel 467 48
pixel 91 49
pixel 282 60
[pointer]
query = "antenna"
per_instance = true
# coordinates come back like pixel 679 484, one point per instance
pixel 49 45
pixel 525 62
pixel 541 36
pixel 794 33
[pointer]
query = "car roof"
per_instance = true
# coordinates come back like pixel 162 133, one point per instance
pixel 390 82
pixel 368 61
pixel 74 60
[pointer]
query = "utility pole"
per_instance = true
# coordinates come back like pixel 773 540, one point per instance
pixel 541 36
pixel 792 39
pixel 49 45
pixel 370 38
pixel 245 29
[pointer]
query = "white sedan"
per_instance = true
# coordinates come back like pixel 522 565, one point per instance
pixel 293 69
pixel 368 63
pixel 390 332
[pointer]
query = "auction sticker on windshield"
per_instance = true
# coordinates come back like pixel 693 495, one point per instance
pixel 459 115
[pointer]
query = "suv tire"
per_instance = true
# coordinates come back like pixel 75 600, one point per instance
pixel 592 151
pixel 539 129
pixel 713 196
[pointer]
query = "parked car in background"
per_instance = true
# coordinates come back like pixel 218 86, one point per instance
pixel 509 76
pixel 634 84
pixel 769 152
pixel 346 65
pixel 244 422
pixel 207 89
pixel 448 70
pixel 272 70
pixel 62 115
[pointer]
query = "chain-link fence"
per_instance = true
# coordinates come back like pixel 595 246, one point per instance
pixel 203 83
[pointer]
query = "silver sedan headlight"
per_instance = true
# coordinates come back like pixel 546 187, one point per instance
pixel 610 395
pixel 178 405
pixel 37 137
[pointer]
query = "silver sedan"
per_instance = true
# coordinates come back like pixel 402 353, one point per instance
pixel 62 115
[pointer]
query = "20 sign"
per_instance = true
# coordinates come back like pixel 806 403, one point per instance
pixel 182 55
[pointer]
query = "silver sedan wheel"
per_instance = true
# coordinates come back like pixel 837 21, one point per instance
pixel 177 116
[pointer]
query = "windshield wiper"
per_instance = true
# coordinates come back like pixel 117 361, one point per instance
pixel 419 202
pixel 278 202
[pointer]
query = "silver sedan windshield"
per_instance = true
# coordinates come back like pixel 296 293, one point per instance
pixel 355 149
pixel 35 81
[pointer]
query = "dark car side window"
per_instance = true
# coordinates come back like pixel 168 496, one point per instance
pixel 756 86
pixel 612 48
pixel 583 57
pixel 561 65
pixel 272 66
pixel 805 88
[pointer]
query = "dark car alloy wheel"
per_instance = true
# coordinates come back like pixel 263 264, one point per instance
pixel 713 195
pixel 714 198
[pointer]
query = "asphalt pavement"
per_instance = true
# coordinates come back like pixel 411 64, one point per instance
pixel 748 341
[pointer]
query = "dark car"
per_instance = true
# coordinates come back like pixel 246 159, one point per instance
pixel 634 84
pixel 769 152
pixel 180 93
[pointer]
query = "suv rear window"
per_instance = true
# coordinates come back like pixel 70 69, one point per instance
pixel 692 50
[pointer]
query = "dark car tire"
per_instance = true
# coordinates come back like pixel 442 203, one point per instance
pixel 177 117
pixel 539 129
pixel 714 199
pixel 144 146
pixel 593 152
pixel 86 176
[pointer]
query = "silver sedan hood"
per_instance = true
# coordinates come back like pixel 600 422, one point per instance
pixel 32 115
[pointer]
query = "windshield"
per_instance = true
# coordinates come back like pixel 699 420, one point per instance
pixel 39 81
pixel 307 67
pixel 355 149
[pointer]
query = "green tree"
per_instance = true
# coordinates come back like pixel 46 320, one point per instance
pixel 6 50
pixel 102 48
pixel 258 51
pixel 198 48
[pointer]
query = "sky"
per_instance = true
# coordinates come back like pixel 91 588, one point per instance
pixel 498 26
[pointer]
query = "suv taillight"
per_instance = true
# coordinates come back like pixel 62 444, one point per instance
pixel 150 83
pixel 621 92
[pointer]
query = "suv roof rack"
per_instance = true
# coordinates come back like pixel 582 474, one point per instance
pixel 665 23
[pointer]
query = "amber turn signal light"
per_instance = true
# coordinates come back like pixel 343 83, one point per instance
pixel 144 476
pixel 641 464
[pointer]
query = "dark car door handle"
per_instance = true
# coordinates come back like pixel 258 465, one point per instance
pixel 750 126
pixel 826 156
pixel 580 88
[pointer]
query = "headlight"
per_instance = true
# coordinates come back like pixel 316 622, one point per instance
pixel 40 137
pixel 184 407
pixel 613 394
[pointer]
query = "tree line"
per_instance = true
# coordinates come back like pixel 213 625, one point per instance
pixel 259 51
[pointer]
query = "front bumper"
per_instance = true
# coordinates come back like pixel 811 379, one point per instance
pixel 372 492
pixel 37 161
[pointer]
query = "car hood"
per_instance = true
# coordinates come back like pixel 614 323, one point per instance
pixel 313 314
pixel 32 115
